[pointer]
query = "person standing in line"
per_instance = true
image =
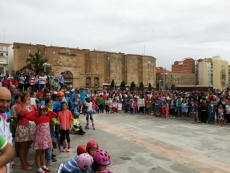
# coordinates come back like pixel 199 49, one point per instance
pixel 61 81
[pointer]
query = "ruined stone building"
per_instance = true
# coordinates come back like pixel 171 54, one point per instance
pixel 91 69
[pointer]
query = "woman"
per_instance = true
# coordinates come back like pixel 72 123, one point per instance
pixel 25 129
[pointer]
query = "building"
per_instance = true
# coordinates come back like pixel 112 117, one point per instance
pixel 205 71
pixel 229 76
pixel 91 69
pixel 6 57
pixel 167 80
pixel 220 73
pixel 161 70
pixel 185 66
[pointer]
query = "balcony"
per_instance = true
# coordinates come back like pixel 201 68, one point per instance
pixel 3 61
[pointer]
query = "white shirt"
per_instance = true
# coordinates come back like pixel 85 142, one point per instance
pixel 89 106
pixel 42 79
pixel 119 106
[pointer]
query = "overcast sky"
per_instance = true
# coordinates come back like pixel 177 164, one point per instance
pixel 169 30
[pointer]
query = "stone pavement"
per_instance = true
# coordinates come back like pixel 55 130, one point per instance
pixel 146 144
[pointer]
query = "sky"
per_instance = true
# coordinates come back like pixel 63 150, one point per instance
pixel 169 30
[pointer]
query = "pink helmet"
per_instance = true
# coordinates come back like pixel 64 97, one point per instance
pixel 84 160
pixel 102 157
pixel 105 171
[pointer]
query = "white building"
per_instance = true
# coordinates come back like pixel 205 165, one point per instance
pixel 6 57
pixel 205 71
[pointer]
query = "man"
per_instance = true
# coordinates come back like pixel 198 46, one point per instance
pixel 61 81
pixel 7 154
pixel 5 100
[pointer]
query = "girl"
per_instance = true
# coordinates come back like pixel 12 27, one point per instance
pixel 163 109
pixel 65 118
pixel 135 106
pixel 184 107
pixel 114 106
pixel 192 112
pixel 157 107
pixel 101 161
pixel 119 106
pixel 107 102
pixel 91 147
pixel 221 115
pixel 148 106
pixel 89 113
pixel 42 138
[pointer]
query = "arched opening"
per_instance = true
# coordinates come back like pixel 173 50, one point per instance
pixel 88 82
pixel 96 82
pixel 68 77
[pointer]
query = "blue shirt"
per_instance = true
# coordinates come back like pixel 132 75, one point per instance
pixel 83 95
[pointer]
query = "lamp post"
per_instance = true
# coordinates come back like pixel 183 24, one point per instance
pixel 44 65
pixel 164 79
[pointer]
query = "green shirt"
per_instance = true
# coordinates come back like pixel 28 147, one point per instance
pixel 3 143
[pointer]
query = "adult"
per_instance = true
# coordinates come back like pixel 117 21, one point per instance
pixel 7 154
pixel 61 81
pixel 5 99
pixel 25 129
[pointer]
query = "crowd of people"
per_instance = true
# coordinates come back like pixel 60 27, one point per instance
pixel 42 114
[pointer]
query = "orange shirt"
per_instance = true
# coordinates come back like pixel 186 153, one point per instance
pixel 65 118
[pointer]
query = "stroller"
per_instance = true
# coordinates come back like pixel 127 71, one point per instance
pixel 76 126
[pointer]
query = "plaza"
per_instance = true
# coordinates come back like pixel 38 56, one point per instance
pixel 147 144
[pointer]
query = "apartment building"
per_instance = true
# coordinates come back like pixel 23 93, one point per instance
pixel 6 57
pixel 205 71
pixel 185 66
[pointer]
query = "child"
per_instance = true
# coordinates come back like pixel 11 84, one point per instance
pixel 107 102
pixel 221 115
pixel 192 112
pixel 42 137
pixel 95 108
pixel 157 107
pixel 135 106
pixel 91 147
pixel 89 114
pixel 114 106
pixel 77 128
pixel 148 105
pixel 119 106
pixel 80 164
pixel 211 112
pixel 101 161
pixel 71 165
pixel 163 109
pixel 65 119
pixel 184 107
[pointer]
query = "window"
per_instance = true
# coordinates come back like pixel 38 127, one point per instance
pixel 1 48
pixel 68 77
pixel 88 82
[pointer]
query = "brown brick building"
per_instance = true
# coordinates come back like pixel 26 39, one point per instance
pixel 185 66
pixel 92 69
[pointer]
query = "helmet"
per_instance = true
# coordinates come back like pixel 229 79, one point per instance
pixel 105 171
pixel 60 94
pixel 84 160
pixel 102 157
pixel 81 149
pixel 92 144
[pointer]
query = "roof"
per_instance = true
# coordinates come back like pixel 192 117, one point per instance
pixel 5 44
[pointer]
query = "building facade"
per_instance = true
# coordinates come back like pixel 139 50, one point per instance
pixel 166 80
pixel 185 66
pixel 91 69
pixel 220 73
pixel 6 57
pixel 205 72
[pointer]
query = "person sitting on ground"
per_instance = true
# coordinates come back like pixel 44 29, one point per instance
pixel 77 128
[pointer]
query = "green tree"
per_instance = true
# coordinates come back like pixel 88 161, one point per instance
pixel 35 63
pixel 132 86
pixel 150 86
pixel 112 85
pixel 122 86
pixel 141 86
pixel 173 87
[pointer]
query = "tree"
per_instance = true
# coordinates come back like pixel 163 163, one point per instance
pixel 35 63
pixel 112 85
pixel 141 86
pixel 122 86
pixel 132 86
pixel 150 86
pixel 173 87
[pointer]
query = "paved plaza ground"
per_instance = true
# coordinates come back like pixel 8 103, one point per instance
pixel 147 144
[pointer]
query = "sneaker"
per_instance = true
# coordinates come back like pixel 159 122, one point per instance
pixel 64 150
pixel 69 149
pixel 53 155
pixel 54 160
pixel 49 163
pixel 46 169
